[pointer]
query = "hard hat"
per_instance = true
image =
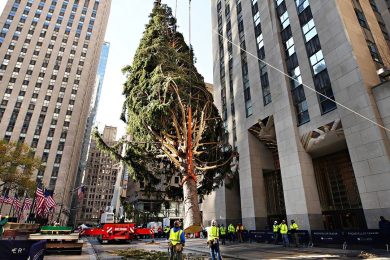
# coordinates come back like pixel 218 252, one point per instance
pixel 275 222
pixel 213 222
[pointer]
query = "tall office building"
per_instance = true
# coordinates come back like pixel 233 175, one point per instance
pixel 302 156
pixel 49 56
pixel 100 177
pixel 91 120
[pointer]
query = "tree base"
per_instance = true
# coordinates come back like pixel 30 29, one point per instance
pixel 192 216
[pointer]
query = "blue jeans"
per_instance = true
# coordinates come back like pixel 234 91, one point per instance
pixel 214 252
pixel 285 240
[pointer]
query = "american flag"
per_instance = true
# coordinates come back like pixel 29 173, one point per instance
pixel 49 201
pixel 27 204
pixel 6 200
pixel 39 201
pixel 80 192
pixel 16 203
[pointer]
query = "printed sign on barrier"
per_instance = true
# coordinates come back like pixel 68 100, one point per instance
pixel 326 237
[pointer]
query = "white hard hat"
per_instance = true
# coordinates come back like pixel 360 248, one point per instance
pixel 275 222
pixel 213 222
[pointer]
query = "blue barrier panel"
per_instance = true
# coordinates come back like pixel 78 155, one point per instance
pixel 327 237
pixel 303 235
pixel 37 250
pixel 261 235
pixel 363 237
pixel 15 249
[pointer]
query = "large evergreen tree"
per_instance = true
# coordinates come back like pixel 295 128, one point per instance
pixel 174 125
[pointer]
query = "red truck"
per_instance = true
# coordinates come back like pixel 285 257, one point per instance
pixel 111 232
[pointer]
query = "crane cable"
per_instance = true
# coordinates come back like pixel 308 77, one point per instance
pixel 303 84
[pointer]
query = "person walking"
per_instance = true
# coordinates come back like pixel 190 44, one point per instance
pixel 231 232
pixel 275 228
pixel 176 241
pixel 294 232
pixel 283 231
pixel 213 240
pixel 222 233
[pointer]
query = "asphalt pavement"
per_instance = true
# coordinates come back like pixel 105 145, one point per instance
pixel 197 248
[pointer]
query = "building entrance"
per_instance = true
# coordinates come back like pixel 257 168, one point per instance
pixel 338 192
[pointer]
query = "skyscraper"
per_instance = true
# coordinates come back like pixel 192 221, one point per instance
pixel 302 156
pixel 91 119
pixel 49 55
pixel 100 177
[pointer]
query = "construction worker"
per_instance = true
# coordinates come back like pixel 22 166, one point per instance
pixel 166 231
pixel 239 230
pixel 222 233
pixel 294 232
pixel 213 240
pixel 231 232
pixel 283 231
pixel 176 241
pixel 276 232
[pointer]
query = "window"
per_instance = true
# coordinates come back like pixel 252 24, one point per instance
pixel 317 62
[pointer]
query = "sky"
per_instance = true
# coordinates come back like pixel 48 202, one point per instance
pixel 124 31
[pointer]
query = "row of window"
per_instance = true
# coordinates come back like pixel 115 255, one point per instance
pixel 293 69
pixel 314 52
pixel 244 62
pixel 376 57
pixel 222 75
pixel 265 86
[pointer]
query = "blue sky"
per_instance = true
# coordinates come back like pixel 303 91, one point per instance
pixel 125 27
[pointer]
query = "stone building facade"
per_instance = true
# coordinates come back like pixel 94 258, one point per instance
pixel 301 155
pixel 49 55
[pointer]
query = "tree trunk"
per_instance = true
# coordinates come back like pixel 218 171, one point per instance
pixel 192 219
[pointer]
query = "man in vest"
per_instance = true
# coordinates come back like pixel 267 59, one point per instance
pixel 222 233
pixel 231 232
pixel 176 240
pixel 213 240
pixel 283 231
pixel 276 232
pixel 294 232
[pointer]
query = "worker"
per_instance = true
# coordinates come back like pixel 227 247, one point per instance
pixel 176 241
pixel 222 234
pixel 213 240
pixel 166 231
pixel 231 232
pixel 239 230
pixel 294 232
pixel 283 231
pixel 276 232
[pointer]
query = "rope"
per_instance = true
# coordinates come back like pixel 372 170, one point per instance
pixel 305 85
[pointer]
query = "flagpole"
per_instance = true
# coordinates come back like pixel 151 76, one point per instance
pixel 12 205
pixel 2 202
pixel 22 208
pixel 33 202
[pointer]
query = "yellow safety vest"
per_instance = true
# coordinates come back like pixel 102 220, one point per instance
pixel 231 228
pixel 276 228
pixel 283 228
pixel 212 233
pixel 294 227
pixel 222 230
pixel 174 237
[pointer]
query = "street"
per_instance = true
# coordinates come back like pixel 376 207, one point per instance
pixel 197 249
